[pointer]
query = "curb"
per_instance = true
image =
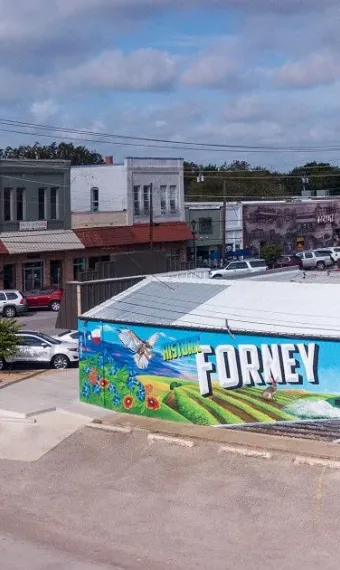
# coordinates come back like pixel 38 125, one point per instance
pixel 11 383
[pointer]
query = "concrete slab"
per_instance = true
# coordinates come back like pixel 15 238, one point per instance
pixel 28 440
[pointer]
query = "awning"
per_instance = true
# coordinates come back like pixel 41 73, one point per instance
pixel 39 241
pixel 133 235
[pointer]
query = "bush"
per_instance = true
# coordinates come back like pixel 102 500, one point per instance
pixel 8 338
pixel 271 252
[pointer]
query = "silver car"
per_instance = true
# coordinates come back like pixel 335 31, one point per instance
pixel 244 267
pixel 315 259
pixel 38 347
pixel 68 336
pixel 12 303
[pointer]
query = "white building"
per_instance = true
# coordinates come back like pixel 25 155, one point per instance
pixel 122 192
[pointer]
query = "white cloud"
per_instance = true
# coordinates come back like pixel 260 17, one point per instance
pixel 43 110
pixel 314 70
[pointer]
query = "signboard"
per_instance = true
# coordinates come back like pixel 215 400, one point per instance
pixel 208 378
pixel 31 226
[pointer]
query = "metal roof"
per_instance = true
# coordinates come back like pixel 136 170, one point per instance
pixel 40 241
pixel 296 309
pixel 155 302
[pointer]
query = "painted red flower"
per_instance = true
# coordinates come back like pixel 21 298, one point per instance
pixel 128 402
pixel 93 376
pixel 152 403
pixel 103 383
pixel 149 388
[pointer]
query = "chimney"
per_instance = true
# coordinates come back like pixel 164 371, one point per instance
pixel 108 160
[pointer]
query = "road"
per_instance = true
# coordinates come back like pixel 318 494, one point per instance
pixel 114 499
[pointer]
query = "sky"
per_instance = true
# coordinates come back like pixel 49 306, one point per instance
pixel 230 72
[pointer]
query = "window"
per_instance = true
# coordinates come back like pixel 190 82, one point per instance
pixel 173 201
pixel 233 265
pixel 136 202
pixel 21 214
pixel 259 263
pixel 308 255
pixel 54 211
pixel 94 199
pixel 146 200
pixel 241 265
pixel 99 259
pixel 2 297
pixel 8 204
pixel 42 214
pixel 78 267
pixel 205 226
pixel 31 341
pixel 163 199
pixel 11 296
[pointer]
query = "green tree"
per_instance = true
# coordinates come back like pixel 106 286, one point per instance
pixel 271 252
pixel 78 155
pixel 8 339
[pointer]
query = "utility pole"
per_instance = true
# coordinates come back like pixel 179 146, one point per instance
pixel 193 227
pixel 151 215
pixel 224 223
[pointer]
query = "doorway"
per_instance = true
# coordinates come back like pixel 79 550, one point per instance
pixel 56 272
pixel 33 275
pixel 9 277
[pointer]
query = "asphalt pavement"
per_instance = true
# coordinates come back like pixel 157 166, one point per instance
pixel 41 321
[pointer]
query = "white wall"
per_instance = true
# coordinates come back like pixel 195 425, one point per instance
pixel 112 184
pixel 234 224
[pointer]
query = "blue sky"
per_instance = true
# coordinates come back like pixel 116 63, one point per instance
pixel 243 72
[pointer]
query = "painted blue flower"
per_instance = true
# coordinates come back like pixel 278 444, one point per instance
pixel 87 370
pixel 100 360
pixel 112 389
pixel 86 391
pixel 116 400
pixel 132 383
pixel 112 370
pixel 141 394
pixel 96 389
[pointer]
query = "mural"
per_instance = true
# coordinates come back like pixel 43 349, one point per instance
pixel 296 225
pixel 207 378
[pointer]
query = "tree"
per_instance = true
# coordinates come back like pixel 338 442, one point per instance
pixel 8 339
pixel 271 252
pixel 78 155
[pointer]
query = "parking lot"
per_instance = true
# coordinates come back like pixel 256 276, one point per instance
pixel 41 321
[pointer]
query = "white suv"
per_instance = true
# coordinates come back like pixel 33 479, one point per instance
pixel 240 268
pixel 12 303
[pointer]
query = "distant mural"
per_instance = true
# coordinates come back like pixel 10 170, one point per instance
pixel 207 378
pixel 296 225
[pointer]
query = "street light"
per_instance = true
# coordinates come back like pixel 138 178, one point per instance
pixel 193 227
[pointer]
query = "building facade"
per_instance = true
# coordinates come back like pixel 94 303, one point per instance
pixel 296 225
pixel 37 244
pixel 207 225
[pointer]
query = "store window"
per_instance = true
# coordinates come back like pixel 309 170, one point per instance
pixel 136 200
pixel 99 259
pixel 146 200
pixel 9 276
pixel 173 199
pixel 56 268
pixel 33 275
pixel 163 199
pixel 78 267
pixel 94 199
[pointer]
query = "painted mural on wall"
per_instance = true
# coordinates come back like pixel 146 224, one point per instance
pixel 295 225
pixel 208 378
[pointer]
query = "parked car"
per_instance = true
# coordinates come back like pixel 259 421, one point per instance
pixel 333 252
pixel 315 259
pixel 68 336
pixel 12 303
pixel 38 347
pixel 286 261
pixel 44 298
pixel 240 268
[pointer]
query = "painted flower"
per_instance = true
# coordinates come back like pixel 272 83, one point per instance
pixel 152 403
pixel 112 370
pixel 149 388
pixel 86 390
pixel 131 383
pixel 116 400
pixel 96 389
pixel 141 394
pixel 113 389
pixel 87 370
pixel 128 402
pixel 103 383
pixel 100 360
pixel 93 376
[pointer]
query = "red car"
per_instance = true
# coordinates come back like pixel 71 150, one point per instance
pixel 286 261
pixel 45 298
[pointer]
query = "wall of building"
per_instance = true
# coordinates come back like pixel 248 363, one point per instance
pixel 296 225
pixel 193 376
pixel 31 175
pixel 98 219
pixel 111 180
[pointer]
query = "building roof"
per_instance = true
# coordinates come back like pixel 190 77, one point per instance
pixel 293 309
pixel 39 241
pixel 133 235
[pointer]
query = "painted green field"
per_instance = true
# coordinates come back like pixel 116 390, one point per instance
pixel 119 389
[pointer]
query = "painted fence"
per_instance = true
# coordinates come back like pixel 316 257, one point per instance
pixel 208 378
